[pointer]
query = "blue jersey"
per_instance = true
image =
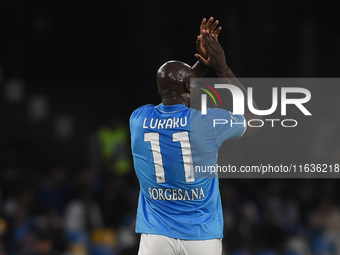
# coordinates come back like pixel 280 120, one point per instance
pixel 168 142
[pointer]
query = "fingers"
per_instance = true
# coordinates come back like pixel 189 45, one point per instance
pixel 198 41
pixel 207 40
pixel 213 27
pixel 217 32
pixel 202 60
pixel 203 26
pixel 208 25
pixel 213 40
pixel 216 43
pixel 211 44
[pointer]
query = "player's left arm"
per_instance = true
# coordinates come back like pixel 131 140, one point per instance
pixel 217 62
pixel 209 26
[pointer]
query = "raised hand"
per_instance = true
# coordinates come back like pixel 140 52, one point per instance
pixel 215 58
pixel 210 27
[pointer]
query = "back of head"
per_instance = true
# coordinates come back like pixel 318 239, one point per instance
pixel 172 77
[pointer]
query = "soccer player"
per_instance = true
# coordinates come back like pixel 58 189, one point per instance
pixel 180 213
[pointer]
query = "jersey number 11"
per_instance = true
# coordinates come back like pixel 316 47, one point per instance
pixel 183 139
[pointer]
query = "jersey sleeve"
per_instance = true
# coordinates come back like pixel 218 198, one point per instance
pixel 227 125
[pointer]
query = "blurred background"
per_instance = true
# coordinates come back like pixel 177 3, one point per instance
pixel 72 72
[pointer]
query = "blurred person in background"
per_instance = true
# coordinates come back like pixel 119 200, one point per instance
pixel 43 244
pixel 52 225
pixel 23 222
pixel 83 214
pixel 326 219
pixel 114 202
pixel 2 249
pixel 55 190
pixel 241 235
pixel 110 147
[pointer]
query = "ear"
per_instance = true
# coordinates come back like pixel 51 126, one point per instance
pixel 187 85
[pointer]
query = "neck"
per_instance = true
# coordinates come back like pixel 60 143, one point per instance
pixel 171 100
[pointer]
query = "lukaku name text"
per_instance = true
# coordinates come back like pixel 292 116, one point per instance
pixel 167 123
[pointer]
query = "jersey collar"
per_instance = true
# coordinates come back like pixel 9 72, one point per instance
pixel 171 108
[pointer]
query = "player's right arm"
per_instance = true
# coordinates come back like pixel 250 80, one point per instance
pixel 216 60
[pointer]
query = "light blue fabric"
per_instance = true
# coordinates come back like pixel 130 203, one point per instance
pixel 181 204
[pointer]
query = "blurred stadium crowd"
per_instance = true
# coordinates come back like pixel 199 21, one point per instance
pixel 62 66
pixel 64 210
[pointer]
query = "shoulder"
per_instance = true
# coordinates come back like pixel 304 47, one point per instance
pixel 211 113
pixel 221 113
pixel 141 110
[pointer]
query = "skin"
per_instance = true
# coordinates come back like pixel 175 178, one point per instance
pixel 209 26
pixel 173 81
pixel 216 61
pixel 173 77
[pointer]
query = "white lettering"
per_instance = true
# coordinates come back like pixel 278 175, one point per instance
pixel 168 123
pixel 186 194
pixel 194 194
pixel 176 122
pixel 289 120
pixel 165 194
pixel 297 101
pixel 155 123
pixel 161 124
pixel 144 126
pixel 201 194
pixel 219 122
pixel 185 123
pixel 174 194
pixel 160 193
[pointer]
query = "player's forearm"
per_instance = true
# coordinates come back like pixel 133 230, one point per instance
pixel 200 69
pixel 226 73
